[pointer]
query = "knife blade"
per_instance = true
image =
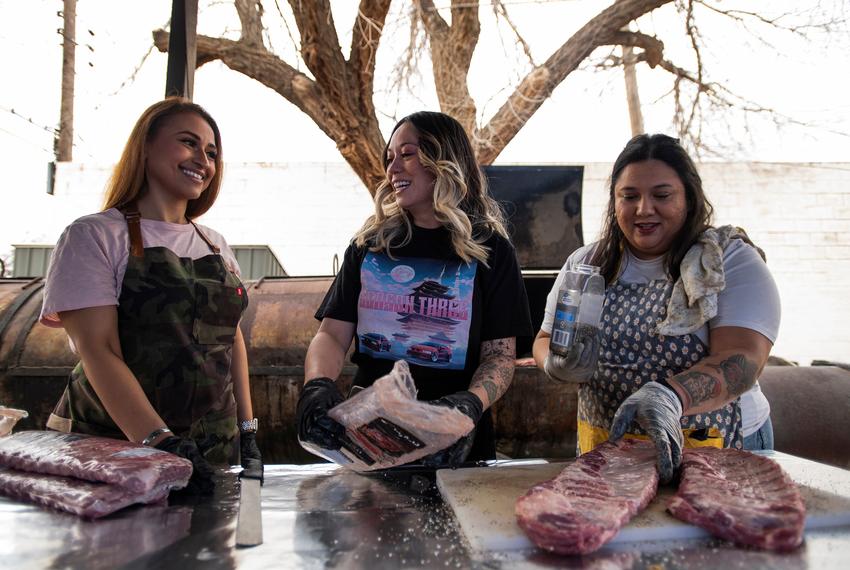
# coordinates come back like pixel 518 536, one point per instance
pixel 249 524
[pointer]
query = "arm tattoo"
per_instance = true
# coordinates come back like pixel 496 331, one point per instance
pixel 738 372
pixel 492 390
pixel 699 387
pixel 496 369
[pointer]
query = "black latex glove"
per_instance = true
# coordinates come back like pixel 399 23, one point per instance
pixel 455 454
pixel 311 415
pixel 201 482
pixel 250 456
pixel 657 409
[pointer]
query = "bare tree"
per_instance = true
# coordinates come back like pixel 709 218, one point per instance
pixel 338 93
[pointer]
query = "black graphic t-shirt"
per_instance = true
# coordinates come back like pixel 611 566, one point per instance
pixel 427 306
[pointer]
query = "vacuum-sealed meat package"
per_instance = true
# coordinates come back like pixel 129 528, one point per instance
pixel 385 425
pixel 82 498
pixel 128 465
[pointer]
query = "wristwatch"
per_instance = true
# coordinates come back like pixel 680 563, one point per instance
pixel 248 425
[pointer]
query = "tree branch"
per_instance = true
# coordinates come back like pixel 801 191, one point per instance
pixel 365 37
pixel 451 55
pixel 320 47
pixel 653 48
pixel 539 84
pixel 251 15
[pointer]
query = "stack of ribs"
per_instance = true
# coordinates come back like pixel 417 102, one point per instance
pixel 735 495
pixel 88 476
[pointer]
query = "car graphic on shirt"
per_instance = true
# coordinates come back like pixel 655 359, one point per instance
pixel 375 341
pixel 432 351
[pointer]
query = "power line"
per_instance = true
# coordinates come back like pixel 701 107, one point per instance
pixel 17 136
pixel 50 130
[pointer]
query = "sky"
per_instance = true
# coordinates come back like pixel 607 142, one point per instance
pixel 585 120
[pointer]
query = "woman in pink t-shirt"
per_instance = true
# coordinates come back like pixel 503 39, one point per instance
pixel 152 303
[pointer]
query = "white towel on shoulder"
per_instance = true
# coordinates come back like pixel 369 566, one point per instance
pixel 694 299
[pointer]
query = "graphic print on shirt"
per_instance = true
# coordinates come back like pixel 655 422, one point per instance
pixel 415 309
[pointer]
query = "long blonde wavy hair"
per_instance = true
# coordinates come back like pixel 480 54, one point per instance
pixel 462 203
pixel 128 182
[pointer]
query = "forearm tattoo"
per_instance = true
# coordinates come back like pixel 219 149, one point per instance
pixel 496 369
pixel 736 372
pixel 699 387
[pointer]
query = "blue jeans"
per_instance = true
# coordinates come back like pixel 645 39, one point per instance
pixel 762 439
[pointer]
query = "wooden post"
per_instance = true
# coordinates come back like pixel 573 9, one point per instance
pixel 632 95
pixel 180 77
pixel 65 138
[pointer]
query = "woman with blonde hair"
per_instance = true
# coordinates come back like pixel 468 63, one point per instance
pixel 430 278
pixel 152 301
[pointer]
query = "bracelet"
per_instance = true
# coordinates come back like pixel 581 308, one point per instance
pixel 155 434
pixel 248 425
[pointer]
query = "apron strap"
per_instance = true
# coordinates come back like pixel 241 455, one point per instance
pixel 134 225
pixel 215 249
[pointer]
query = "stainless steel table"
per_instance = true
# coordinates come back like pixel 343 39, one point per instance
pixel 320 516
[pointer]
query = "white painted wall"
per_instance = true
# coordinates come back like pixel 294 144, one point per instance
pixel 799 214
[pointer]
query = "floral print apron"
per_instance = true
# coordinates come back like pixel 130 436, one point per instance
pixel 632 353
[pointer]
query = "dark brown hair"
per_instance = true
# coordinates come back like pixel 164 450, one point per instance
pixel 128 183
pixel 609 252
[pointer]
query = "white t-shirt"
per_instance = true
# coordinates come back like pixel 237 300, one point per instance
pixel 749 300
pixel 88 264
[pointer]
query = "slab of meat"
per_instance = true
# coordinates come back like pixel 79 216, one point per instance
pixel 82 498
pixel 129 465
pixel 586 504
pixel 741 497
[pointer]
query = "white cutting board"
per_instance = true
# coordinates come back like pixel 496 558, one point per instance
pixel 483 501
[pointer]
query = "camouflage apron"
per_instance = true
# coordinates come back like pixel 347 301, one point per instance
pixel 177 318
pixel 632 353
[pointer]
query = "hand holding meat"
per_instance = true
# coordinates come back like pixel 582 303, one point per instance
pixel 657 410
pixel 249 455
pixel 201 482
pixel 314 425
pixel 469 404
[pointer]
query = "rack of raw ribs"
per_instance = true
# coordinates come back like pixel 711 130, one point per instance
pixel 85 475
pixel 735 495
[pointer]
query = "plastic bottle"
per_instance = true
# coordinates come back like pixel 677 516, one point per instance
pixel 577 314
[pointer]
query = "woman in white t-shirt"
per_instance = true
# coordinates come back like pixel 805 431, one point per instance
pixel 689 317
pixel 152 301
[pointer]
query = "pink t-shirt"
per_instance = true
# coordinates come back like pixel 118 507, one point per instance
pixel 88 264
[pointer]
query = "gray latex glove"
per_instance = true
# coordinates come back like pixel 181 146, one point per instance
pixel 561 368
pixel 657 409
pixel 579 365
